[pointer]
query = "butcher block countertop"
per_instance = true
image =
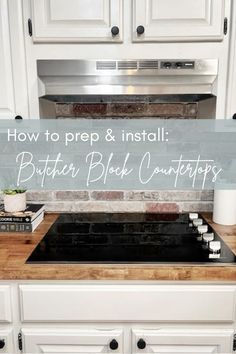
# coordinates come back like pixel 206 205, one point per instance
pixel 15 249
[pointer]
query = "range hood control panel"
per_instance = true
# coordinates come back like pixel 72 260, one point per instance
pixel 177 65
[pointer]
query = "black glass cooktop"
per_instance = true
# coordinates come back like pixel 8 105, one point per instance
pixel 130 238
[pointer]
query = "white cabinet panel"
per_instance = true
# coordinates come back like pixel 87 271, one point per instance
pixel 79 10
pixel 76 20
pixel 182 20
pixel 7 104
pixel 13 84
pixel 182 341
pixel 5 303
pixel 71 341
pixel 127 303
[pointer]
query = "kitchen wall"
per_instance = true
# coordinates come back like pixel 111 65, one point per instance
pixel 123 201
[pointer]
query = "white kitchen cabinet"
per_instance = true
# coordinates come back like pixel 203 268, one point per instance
pixel 172 341
pixel 7 103
pixel 74 317
pixel 5 304
pixel 102 303
pixel 182 341
pixel 72 341
pixel 76 20
pixel 231 79
pixel 92 20
pixel 13 84
pixel 182 20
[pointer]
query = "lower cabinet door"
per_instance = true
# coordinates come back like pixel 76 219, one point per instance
pixel 182 341
pixel 68 341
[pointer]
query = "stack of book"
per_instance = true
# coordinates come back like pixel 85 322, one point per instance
pixel 25 221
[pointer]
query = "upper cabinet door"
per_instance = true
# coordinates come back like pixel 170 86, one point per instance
pixel 182 20
pixel 7 103
pixel 77 20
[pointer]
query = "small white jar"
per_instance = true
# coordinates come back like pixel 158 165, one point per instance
pixel 15 203
pixel 224 210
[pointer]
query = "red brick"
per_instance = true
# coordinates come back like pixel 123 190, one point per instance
pixel 89 109
pixel 162 208
pixel 169 110
pixel 127 110
pixel 165 110
pixel 190 110
pixel 107 195
pixel 71 195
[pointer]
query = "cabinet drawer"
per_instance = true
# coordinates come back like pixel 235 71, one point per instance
pixel 59 340
pixel 182 341
pixel 5 303
pixel 127 303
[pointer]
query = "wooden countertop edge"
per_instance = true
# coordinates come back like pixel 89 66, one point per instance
pixel 168 274
pixel 15 249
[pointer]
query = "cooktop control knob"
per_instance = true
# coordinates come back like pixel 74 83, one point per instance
pixel 208 237
pixel 202 229
pixel 197 222
pixel 193 216
pixel 215 247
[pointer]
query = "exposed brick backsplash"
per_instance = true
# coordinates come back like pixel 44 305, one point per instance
pixel 169 196
pixel 123 201
pixel 129 109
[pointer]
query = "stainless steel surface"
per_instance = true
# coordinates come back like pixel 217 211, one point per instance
pixel 128 77
pixel 143 99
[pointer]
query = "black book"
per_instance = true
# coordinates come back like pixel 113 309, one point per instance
pixel 21 227
pixel 31 212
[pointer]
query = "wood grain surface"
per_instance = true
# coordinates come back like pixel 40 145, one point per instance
pixel 15 249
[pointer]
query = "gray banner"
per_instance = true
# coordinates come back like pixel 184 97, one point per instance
pixel 113 154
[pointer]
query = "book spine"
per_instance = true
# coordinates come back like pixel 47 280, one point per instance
pixel 15 227
pixel 24 219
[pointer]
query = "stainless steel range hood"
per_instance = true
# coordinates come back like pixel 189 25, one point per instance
pixel 127 77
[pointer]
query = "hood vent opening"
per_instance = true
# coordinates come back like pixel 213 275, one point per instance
pixel 106 65
pixel 127 65
pixel 148 64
